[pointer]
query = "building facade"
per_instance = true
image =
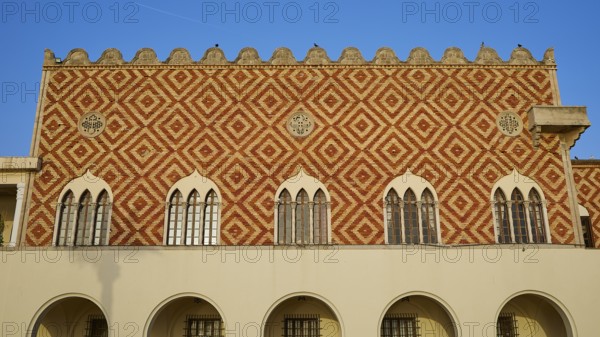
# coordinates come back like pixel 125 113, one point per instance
pixel 301 198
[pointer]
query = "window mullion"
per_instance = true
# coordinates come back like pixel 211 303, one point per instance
pixel 509 205
pixel 402 218
pixel 311 219
pixel 419 220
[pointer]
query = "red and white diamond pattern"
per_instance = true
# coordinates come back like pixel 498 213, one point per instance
pixel 372 124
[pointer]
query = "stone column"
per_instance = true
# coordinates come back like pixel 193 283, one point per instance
pixel 15 227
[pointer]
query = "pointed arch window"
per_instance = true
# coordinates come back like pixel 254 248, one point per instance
pixel 411 218
pixel 100 230
pixel 175 219
pixel 83 213
pixel 211 212
pixel 194 219
pixel 502 220
pixel 519 219
pixel 66 221
pixel 302 218
pixel 428 217
pixel 414 218
pixel 320 218
pixel 193 212
pixel 285 217
pixel 393 218
pixel 302 214
pixel 536 214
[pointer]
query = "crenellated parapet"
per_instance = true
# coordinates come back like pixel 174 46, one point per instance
pixel 317 56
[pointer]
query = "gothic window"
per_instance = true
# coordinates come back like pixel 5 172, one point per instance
pixel 83 213
pixel 519 219
pixel 411 220
pixel 85 218
pixel 285 217
pixel 302 211
pixel 193 212
pixel 428 217
pixel 100 230
pixel 502 221
pixel 175 218
pixel 302 218
pixel 518 216
pixel 320 218
pixel 536 216
pixel 66 220
pixel 393 217
pixel 211 212
pixel 194 219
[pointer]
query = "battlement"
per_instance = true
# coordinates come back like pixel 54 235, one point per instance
pixel 520 57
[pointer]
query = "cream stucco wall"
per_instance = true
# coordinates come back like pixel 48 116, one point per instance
pixel 357 284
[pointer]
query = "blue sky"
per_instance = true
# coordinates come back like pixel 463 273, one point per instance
pixel 27 27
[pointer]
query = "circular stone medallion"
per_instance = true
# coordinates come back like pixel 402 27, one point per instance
pixel 300 124
pixel 91 124
pixel 509 123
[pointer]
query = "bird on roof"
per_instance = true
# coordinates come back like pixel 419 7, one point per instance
pixel 316 45
pixel 519 45
pixel 482 44
pixel 216 45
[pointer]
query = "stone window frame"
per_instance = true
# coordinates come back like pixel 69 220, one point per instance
pixel 294 185
pixel 517 182
pixel 195 182
pixel 417 184
pixel 78 187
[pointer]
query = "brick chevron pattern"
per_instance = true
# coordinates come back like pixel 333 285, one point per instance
pixel 587 180
pixel 372 124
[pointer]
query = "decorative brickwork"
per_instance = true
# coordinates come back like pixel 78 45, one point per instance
pixel 372 122
pixel 587 179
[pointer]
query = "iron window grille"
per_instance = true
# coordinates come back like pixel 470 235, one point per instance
pixel 203 326
pixel 507 325
pixel 302 326
pixel 400 325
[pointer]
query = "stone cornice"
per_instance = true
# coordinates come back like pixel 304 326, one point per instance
pixel 283 57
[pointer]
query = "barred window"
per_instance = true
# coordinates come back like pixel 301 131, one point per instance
pixel 202 326
pixel 302 218
pixel 285 217
pixel 175 229
pixel 96 326
pixel 320 218
pixel 536 216
pixel 502 220
pixel 428 218
pixel 101 222
pixel 301 326
pixel 66 220
pixel 507 325
pixel 400 325
pixel 211 222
